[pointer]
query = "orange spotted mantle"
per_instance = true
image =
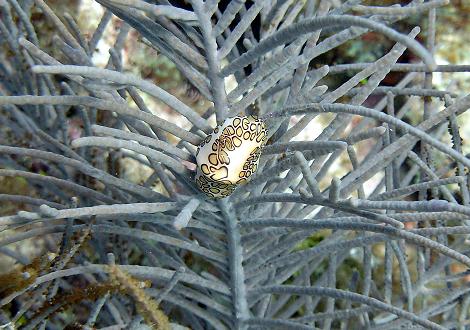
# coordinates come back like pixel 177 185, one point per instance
pixel 229 155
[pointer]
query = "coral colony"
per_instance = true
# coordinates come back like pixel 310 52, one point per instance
pixel 361 224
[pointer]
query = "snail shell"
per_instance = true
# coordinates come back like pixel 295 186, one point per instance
pixel 229 155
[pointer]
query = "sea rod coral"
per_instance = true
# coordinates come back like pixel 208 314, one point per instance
pixel 361 224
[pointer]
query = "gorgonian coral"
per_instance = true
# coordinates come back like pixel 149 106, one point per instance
pixel 359 224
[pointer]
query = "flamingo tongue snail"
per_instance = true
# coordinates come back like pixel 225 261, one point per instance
pixel 229 155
